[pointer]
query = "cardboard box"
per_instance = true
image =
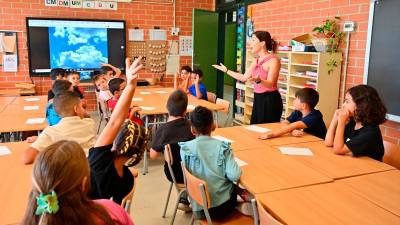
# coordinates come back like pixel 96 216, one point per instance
pixel 302 43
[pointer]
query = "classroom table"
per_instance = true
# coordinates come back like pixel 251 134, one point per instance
pixel 15 183
pixel 336 166
pixel 245 139
pixel 331 203
pixel 22 110
pixel 269 170
pixel 383 189
pixel 24 100
pixel 17 123
pixel 6 100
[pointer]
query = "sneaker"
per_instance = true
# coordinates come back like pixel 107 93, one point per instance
pixel 184 207
pixel 245 208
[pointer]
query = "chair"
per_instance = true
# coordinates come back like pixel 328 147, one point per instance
pixel 127 200
pixel 392 154
pixel 261 216
pixel 211 97
pixel 180 188
pixel 104 113
pixel 198 192
pixel 226 109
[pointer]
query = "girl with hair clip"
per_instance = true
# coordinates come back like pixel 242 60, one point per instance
pixel 121 144
pixel 59 192
pixel 355 127
pixel 263 72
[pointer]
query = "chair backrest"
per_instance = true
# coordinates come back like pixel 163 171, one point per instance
pixel 226 104
pixel 262 216
pixel 169 159
pixel 211 97
pixel 196 188
pixel 127 200
pixel 392 154
pixel 102 107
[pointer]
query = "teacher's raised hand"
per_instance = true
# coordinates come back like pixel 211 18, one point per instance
pixel 221 67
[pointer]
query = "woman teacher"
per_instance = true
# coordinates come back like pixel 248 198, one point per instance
pixel 263 72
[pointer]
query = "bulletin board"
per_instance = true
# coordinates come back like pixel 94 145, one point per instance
pixel 8 45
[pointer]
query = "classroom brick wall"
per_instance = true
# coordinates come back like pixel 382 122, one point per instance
pixel 136 14
pixel 286 19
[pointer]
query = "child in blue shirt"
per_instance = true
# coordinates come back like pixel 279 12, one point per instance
pixel 211 160
pixel 305 117
pixel 197 88
pixel 58 87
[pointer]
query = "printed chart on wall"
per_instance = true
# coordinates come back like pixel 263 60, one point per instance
pixel 185 45
pixel 8 51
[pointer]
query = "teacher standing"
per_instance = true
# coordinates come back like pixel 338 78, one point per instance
pixel 264 73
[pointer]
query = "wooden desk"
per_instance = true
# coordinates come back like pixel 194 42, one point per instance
pixel 19 110
pixel 15 183
pixel 383 189
pixel 268 170
pixel 13 123
pixel 332 203
pixel 6 100
pixel 21 100
pixel 245 139
pixel 336 166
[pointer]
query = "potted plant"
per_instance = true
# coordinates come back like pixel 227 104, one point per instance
pixel 328 38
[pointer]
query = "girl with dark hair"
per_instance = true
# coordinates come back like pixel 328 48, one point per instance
pixel 355 127
pixel 121 144
pixel 263 72
pixel 59 191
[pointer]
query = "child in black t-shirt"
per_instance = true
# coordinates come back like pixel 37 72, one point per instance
pixel 55 74
pixel 355 127
pixel 119 144
pixel 304 117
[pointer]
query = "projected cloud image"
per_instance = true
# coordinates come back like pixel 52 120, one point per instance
pixel 73 48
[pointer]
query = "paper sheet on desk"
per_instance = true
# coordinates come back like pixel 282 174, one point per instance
pixel 32 99
pixel 33 107
pixel 148 108
pixel 145 92
pixel 218 137
pixel 35 121
pixel 240 162
pixel 296 151
pixel 162 92
pixel 137 99
pixel 191 107
pixel 4 150
pixel 257 129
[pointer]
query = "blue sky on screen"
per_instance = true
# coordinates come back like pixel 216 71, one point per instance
pixel 74 48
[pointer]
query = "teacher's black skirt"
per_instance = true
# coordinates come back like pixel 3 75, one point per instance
pixel 267 108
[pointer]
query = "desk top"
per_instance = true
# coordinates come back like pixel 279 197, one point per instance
pixel 332 203
pixel 336 166
pixel 22 100
pixel 15 123
pixel 15 183
pixel 382 189
pixel 268 170
pixel 19 110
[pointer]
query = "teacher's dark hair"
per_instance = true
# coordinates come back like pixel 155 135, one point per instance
pixel 265 36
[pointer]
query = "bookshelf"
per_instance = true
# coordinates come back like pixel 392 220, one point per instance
pixel 298 70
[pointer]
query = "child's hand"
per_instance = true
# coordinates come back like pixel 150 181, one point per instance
pixel 343 115
pixel 105 64
pixel 220 67
pixel 134 171
pixel 135 109
pixel 31 139
pixel 132 69
pixel 267 135
pixel 297 133
pixel 197 79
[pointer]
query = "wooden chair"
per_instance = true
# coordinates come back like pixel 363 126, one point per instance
pixel 198 192
pixel 127 200
pixel 211 97
pixel 180 188
pixel 261 216
pixel 392 154
pixel 226 109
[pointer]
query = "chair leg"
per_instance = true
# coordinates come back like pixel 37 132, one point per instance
pixel 207 216
pixel 168 196
pixel 192 220
pixel 101 120
pixel 176 206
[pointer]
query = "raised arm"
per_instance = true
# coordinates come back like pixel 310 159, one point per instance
pixel 116 70
pixel 118 116
pixel 235 75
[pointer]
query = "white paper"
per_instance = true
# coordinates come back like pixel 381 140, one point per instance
pixel 10 63
pixel 218 137
pixel 296 151
pixel 137 99
pixel 145 92
pixel 191 107
pixel 172 64
pixel 4 150
pixel 33 107
pixel 32 99
pixel 240 162
pixel 158 35
pixel 148 108
pixel 161 92
pixel 35 121
pixel 136 35
pixel 257 129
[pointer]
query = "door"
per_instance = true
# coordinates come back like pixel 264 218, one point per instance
pixel 205 45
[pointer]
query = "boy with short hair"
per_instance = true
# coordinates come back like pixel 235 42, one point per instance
pixel 55 74
pixel 116 86
pixel 109 71
pixel 59 86
pixel 176 129
pixel 198 89
pixel 75 78
pixel 304 117
pixel 73 126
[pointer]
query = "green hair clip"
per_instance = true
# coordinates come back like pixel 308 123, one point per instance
pixel 47 204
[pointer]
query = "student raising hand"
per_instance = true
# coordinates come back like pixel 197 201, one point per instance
pixel 132 69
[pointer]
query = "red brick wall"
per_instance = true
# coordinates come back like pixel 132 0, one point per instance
pixel 285 19
pixel 145 16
